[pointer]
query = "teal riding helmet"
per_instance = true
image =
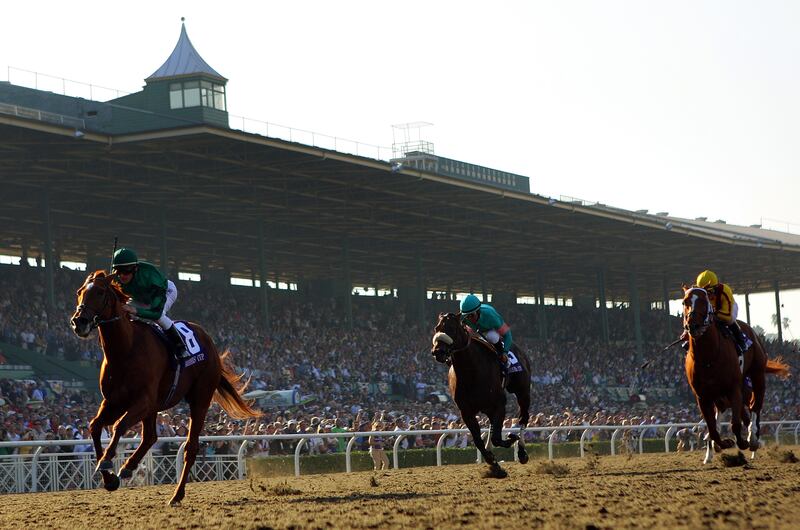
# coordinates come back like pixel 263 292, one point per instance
pixel 470 304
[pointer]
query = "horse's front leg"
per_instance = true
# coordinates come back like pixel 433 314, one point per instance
pixel 149 437
pixel 475 430
pixel 106 415
pixel 133 416
pixel 496 431
pixel 709 412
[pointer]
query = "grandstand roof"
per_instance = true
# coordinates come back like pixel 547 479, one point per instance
pixel 215 185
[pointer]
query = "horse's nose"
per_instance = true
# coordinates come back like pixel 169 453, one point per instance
pixel 80 325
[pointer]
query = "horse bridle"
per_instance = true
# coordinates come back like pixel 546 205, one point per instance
pixel 96 322
pixel 444 342
pixel 707 321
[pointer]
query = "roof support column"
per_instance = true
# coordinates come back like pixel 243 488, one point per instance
pixel 484 290
pixel 601 291
pixel 541 312
pixel 421 293
pixel 164 267
pixel 262 270
pixel 348 284
pixel 778 311
pixel 637 321
pixel 50 265
pixel 665 301
pixel 747 307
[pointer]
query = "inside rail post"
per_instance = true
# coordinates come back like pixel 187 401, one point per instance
pixel 667 438
pixel 795 433
pixel 35 468
pixel 240 462
pixel 550 440
pixel 439 444
pixel 396 448
pixel 300 443
pixel 641 440
pixel 583 441
pixel 179 462
pixel 778 432
pixel 614 442
pixel 347 452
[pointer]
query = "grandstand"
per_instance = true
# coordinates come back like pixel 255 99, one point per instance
pixel 163 170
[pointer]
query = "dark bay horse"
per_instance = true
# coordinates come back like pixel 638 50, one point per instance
pixel 712 368
pixel 135 380
pixel 476 385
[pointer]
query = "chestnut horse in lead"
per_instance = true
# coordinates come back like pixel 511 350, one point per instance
pixel 712 368
pixel 136 380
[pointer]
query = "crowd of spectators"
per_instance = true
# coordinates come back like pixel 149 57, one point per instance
pixel 379 375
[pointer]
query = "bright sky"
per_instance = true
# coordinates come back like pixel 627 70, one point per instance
pixel 688 107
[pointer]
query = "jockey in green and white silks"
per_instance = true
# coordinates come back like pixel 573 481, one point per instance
pixel 151 293
pixel 484 319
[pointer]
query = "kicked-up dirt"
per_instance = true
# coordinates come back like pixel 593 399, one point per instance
pixel 637 491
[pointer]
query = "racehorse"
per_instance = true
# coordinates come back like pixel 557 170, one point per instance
pixel 137 382
pixel 712 368
pixel 476 385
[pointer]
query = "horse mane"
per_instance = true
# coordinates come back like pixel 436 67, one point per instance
pixel 115 287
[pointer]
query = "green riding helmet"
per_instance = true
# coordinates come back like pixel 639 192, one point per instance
pixel 470 304
pixel 124 257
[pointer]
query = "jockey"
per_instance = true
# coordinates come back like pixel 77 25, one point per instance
pixel 725 308
pixel 484 319
pixel 152 294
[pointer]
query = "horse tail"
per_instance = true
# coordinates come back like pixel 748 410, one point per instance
pixel 229 392
pixel 778 367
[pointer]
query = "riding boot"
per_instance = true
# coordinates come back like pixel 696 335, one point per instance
pixel 743 342
pixel 178 347
pixel 502 357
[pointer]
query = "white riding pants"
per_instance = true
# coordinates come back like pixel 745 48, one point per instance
pixel 172 294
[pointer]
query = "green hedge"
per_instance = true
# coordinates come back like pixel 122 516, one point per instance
pixel 361 461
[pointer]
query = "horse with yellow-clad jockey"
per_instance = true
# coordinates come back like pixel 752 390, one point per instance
pixel 725 309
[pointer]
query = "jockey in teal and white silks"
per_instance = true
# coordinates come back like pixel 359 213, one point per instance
pixel 484 319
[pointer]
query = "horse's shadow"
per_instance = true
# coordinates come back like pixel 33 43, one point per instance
pixel 388 496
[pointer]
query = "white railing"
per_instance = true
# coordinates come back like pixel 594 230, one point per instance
pixel 43 471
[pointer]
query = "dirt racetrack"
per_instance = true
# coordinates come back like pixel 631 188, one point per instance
pixel 650 491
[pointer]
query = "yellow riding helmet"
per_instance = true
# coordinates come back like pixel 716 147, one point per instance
pixel 706 279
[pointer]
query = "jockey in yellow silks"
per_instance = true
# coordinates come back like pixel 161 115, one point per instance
pixel 725 308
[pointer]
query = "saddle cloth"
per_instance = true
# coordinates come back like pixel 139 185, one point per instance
pixel 193 346
pixel 512 364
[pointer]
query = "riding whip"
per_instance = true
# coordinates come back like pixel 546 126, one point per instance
pixel 645 365
pixel 111 269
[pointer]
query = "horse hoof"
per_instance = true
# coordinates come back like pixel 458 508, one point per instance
pixel 522 454
pixel 112 483
pixel 495 471
pixel 125 473
pixel 727 443
pixel 743 445
pixel 175 500
pixel 104 465
pixel 754 446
